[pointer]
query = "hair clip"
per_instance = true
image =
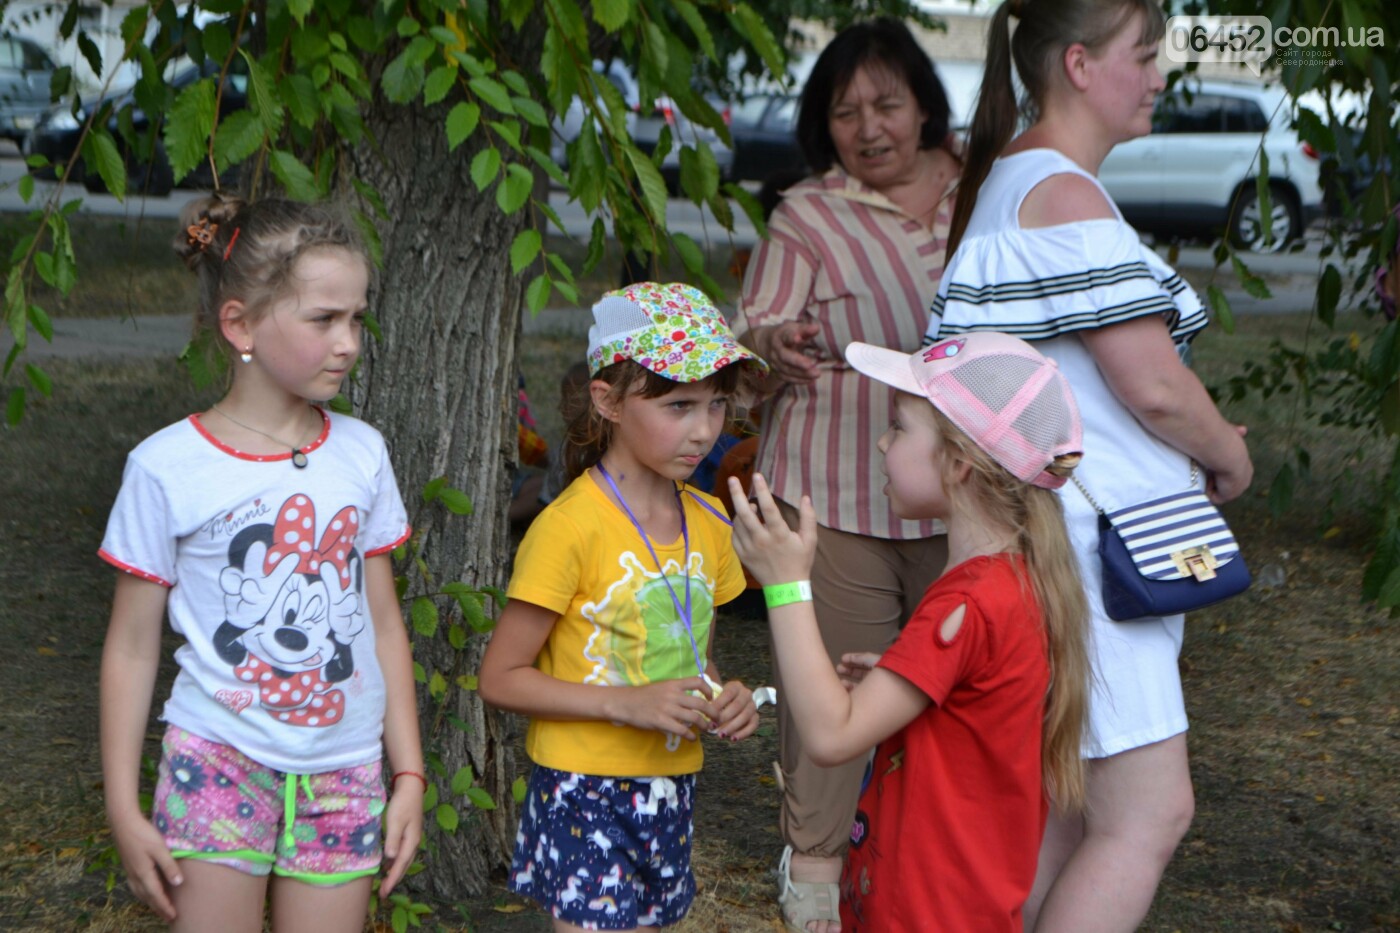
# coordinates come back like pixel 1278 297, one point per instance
pixel 202 233
pixel 232 240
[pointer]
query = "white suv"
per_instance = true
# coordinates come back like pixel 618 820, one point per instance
pixel 1196 173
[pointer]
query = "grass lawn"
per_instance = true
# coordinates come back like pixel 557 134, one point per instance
pixel 1291 688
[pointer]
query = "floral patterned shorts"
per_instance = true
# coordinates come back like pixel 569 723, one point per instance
pixel 215 804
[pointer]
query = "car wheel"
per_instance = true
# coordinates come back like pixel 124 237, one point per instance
pixel 1247 220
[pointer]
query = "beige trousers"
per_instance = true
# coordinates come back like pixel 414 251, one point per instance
pixel 863 590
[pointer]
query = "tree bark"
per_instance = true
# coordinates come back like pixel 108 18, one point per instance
pixel 441 385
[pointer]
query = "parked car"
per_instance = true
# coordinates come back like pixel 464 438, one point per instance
pixel 56 134
pixel 1196 173
pixel 644 124
pixel 764 129
pixel 25 71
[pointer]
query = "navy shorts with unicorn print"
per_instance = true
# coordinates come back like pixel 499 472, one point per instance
pixel 606 853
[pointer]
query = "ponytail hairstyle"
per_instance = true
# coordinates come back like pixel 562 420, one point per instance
pixel 248 251
pixel 587 433
pixel 1045 29
pixel 1038 520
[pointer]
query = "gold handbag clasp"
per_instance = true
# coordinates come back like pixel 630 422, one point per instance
pixel 1197 561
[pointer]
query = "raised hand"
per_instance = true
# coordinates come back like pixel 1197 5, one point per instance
pixel 767 548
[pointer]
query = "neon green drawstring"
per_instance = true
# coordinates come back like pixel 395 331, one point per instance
pixel 289 808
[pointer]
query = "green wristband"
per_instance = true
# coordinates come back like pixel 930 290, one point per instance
pixel 781 594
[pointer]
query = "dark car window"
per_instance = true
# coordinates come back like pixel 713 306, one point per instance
pixel 1204 113
pixel 34 58
pixel 1244 116
pixel 750 112
pixel 784 116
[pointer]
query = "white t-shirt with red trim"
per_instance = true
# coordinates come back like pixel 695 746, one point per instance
pixel 265 565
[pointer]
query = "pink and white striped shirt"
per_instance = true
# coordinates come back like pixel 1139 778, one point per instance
pixel 842 255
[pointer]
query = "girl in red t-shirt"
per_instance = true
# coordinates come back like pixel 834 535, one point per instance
pixel 978 706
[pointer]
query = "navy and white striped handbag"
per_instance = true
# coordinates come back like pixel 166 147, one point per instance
pixel 1167 555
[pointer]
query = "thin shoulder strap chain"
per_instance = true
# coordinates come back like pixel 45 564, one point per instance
pixel 1195 472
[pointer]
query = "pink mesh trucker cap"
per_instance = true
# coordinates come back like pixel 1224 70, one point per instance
pixel 998 389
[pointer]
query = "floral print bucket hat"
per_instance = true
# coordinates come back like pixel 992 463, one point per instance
pixel 673 330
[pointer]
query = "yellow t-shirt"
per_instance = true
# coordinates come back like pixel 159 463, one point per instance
pixel 617 625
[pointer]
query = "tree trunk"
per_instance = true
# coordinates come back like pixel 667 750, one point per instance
pixel 441 385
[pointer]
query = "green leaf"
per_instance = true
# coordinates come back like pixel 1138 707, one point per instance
pixel 475 614
pixel 1390 590
pixel 688 12
pixel 295 177
pixel 187 130
pixel 462 780
pixel 461 122
pixel 597 242
pixel 39 379
pixel 90 52
pixel 492 93
pixel 437 686
pixel 1252 283
pixel 14 407
pixel 653 187
pixel 752 27
pixel 456 636
pixel 691 255
pixel 433 487
pixel 398 920
pixel 44 326
pixel 424 613
pixel 408 26
pixel 261 99
pixel 509 132
pixel 1329 291
pixel 447 818
pixel 1265 196
pixel 300 9
pixel 612 15
pixel 239 135
pixel 457 502
pixel 532 112
pixel 515 190
pixel 467 682
pixel 699 172
pixel 26 187
pixel 100 151
pixel 479 797
pixel 485 165
pixel 1220 308
pixel 438 83
pixel 524 249
pixel 37 161
pixel 516 82
pixel 750 206
pixel 496 593
pixel 537 293
pixel 402 78
pixel 300 98
pixel 43 264
pixel 518 789
pixel 430 797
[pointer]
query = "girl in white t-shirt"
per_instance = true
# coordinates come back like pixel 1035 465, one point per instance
pixel 262 528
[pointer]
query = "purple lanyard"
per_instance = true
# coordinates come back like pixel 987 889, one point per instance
pixel 684 613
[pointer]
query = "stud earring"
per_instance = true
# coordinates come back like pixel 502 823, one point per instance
pixel 247 355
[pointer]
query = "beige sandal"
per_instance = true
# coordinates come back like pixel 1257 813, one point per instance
pixel 804 901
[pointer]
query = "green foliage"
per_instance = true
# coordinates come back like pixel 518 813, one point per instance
pixel 1350 380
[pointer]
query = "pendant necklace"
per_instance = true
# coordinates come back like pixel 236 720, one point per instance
pixel 683 612
pixel 298 455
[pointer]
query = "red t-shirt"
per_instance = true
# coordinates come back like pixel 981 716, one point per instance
pixel 950 822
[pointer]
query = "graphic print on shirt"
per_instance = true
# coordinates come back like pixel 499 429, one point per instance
pixel 292 609
pixel 638 636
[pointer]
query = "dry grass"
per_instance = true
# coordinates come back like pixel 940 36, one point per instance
pixel 1292 690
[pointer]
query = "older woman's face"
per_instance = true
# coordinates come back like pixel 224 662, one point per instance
pixel 875 122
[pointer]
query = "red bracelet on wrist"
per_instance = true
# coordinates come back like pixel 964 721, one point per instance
pixel 395 779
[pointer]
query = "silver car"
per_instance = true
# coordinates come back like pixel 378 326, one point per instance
pixel 25 70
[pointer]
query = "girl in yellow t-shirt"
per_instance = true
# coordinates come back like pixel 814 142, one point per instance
pixel 605 640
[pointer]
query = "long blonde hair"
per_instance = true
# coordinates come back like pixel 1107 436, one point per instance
pixel 1039 523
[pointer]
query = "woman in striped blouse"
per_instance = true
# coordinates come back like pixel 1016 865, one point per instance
pixel 853 253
